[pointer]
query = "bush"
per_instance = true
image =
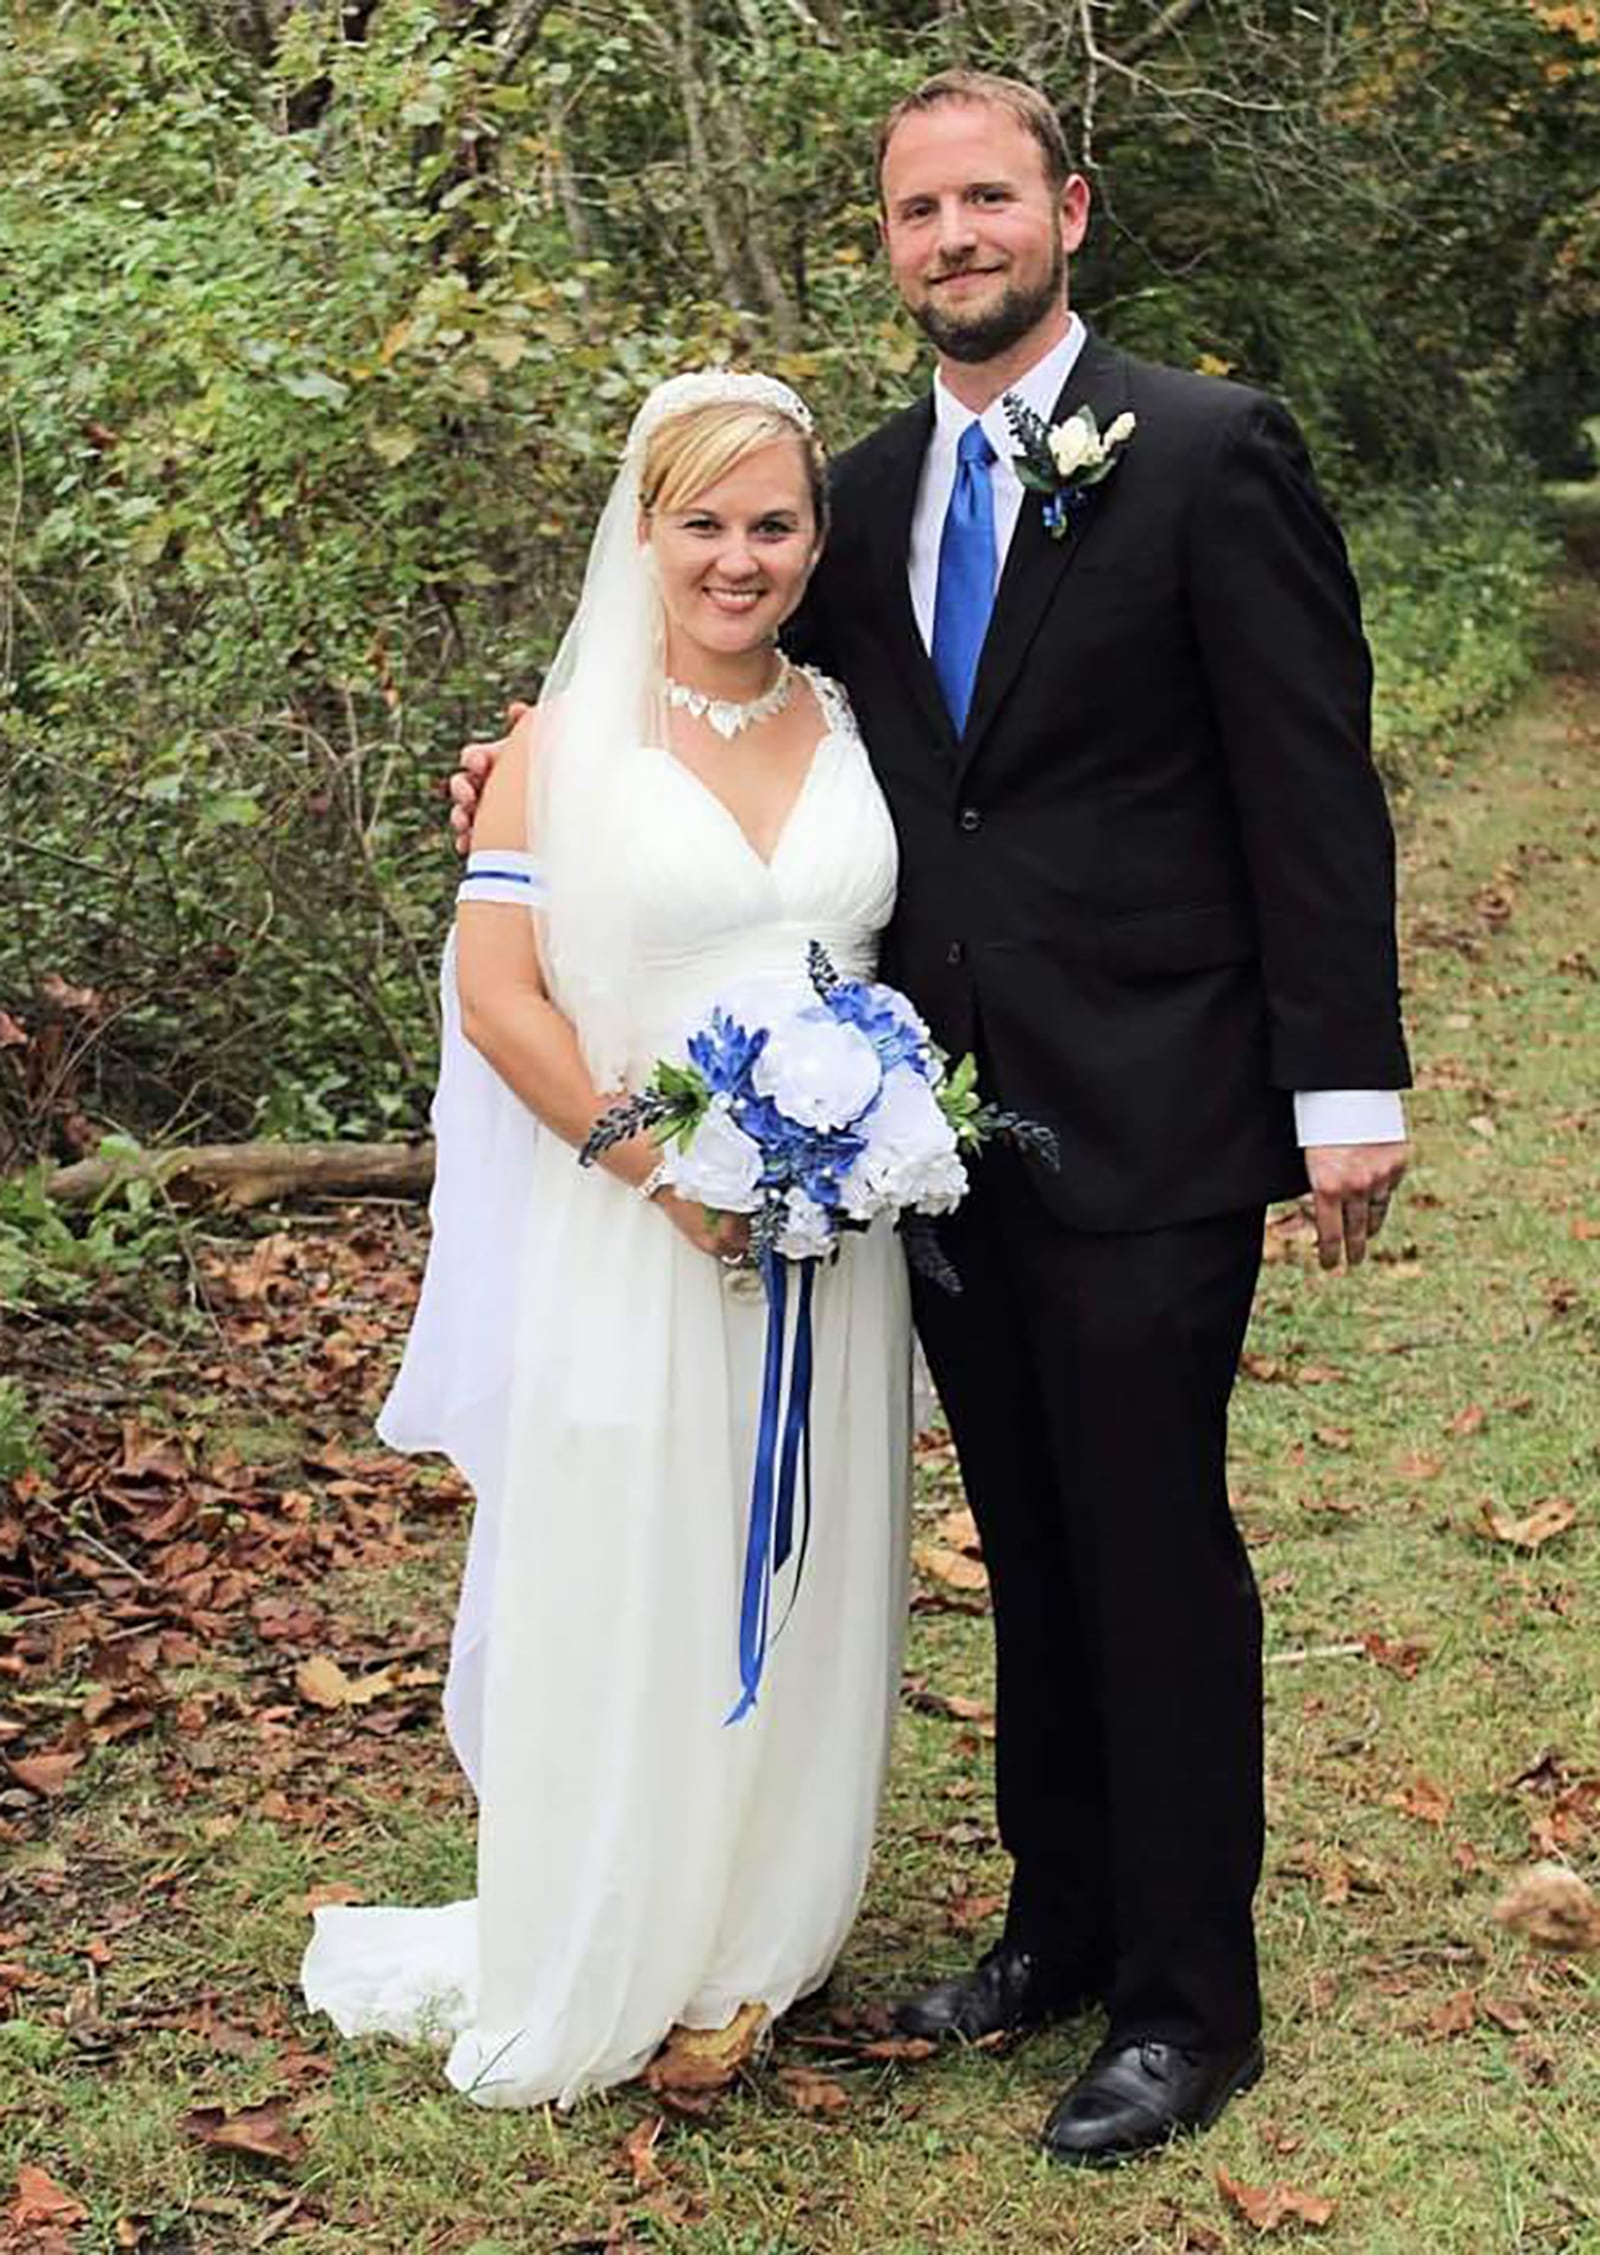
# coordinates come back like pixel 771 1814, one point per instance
pixel 19 1447
pixel 321 327
pixel 1453 583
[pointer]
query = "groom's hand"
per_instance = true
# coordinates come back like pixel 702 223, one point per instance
pixel 475 764
pixel 1351 1186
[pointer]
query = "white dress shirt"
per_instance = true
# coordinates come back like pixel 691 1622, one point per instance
pixel 1338 1115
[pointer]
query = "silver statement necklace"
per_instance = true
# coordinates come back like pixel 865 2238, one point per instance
pixel 725 714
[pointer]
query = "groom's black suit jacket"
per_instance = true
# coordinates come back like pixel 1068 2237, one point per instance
pixel 1154 879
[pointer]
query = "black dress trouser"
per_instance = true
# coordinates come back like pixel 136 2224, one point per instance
pixel 1086 1380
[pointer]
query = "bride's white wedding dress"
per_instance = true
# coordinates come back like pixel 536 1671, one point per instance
pixel 641 1861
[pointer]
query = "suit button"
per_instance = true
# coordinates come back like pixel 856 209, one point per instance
pixel 970 819
pixel 955 953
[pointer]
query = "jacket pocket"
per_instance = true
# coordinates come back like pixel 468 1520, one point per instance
pixel 1203 937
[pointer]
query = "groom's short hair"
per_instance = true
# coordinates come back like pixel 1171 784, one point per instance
pixel 1031 109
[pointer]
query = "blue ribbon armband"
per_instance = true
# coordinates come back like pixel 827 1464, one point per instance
pixel 504 876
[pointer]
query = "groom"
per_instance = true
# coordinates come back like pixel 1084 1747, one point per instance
pixel 1147 876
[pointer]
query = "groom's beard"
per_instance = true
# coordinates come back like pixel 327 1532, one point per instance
pixel 984 336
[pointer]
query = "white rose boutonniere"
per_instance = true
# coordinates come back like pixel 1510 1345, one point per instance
pixel 1063 462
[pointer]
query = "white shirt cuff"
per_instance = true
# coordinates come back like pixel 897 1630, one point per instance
pixel 1348 1115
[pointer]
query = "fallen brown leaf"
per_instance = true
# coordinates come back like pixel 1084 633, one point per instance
pixel 1548 1519
pixel 967 1912
pixel 334 1895
pixel 952 1567
pixel 1416 1464
pixel 1401 1657
pixel 1472 1419
pixel 1553 1908
pixel 321 1682
pixel 1546 1773
pixel 1269 2207
pixel 953 1705
pixel 44 1774
pixel 1536 2062
pixel 40 2200
pixel 639 2151
pixel 1455 2017
pixel 1422 1799
pixel 959 1530
pixel 811 2093
pixel 899 2051
pixel 701 2060
pixel 257 2130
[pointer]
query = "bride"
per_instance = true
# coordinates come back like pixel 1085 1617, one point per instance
pixel 678 818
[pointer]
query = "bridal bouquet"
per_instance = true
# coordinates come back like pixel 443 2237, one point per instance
pixel 821 1116
pixel 834 1110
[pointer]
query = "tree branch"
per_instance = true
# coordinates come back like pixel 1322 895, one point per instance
pixel 250 1174
pixel 1172 18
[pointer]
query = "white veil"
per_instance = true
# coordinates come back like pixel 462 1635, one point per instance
pixel 604 695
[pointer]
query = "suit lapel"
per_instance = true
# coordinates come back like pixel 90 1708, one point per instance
pixel 903 445
pixel 1036 564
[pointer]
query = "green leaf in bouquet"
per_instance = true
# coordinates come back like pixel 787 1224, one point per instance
pixel 958 1099
pixel 682 1099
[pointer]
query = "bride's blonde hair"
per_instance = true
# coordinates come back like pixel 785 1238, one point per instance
pixel 693 450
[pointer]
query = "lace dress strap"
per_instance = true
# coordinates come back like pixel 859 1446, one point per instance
pixel 830 695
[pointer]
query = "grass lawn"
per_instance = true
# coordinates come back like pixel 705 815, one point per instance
pixel 1433 1710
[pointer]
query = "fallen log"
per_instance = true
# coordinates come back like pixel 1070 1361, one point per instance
pixel 251 1174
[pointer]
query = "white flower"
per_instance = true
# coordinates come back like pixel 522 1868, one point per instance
pixel 1121 430
pixel 722 1165
pixel 911 1157
pixel 1071 447
pixel 944 1185
pixel 806 1234
pixel 861 1195
pixel 819 1073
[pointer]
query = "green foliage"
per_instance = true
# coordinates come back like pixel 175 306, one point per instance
pixel 19 1444
pixel 1453 586
pixel 54 1259
pixel 321 328
pixel 961 1102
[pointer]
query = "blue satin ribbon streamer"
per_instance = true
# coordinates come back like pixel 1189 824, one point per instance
pixel 783 1462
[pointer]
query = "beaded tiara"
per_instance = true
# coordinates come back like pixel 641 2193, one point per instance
pixel 712 387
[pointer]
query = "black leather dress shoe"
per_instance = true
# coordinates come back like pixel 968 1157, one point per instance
pixel 1133 2096
pixel 1007 1991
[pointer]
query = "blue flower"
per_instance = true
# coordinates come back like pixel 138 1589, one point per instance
pixel 815 1160
pixel 726 1054
pixel 884 1018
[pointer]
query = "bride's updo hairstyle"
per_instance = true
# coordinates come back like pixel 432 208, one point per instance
pixel 691 450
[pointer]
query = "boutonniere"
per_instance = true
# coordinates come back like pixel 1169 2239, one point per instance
pixel 1065 461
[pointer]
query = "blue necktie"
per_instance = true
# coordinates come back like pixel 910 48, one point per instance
pixel 965 593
